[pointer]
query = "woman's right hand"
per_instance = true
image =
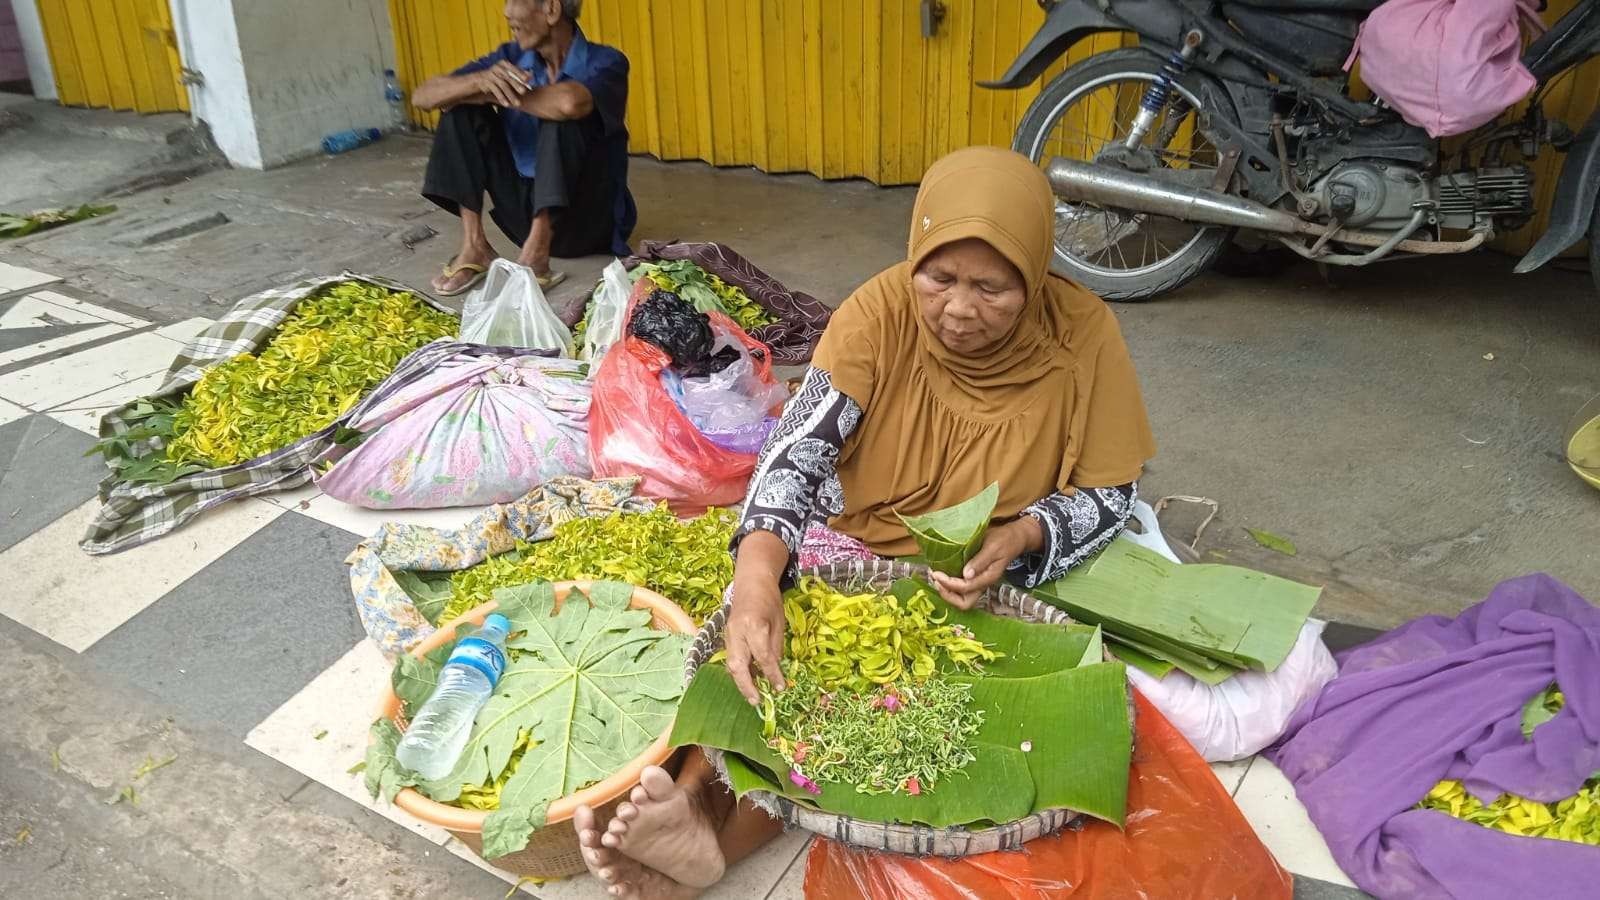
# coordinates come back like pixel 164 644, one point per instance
pixel 756 626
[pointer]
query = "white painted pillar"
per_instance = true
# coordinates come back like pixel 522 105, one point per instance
pixel 34 49
pixel 279 76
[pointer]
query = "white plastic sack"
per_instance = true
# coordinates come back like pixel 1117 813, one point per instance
pixel 605 313
pixel 1243 715
pixel 510 310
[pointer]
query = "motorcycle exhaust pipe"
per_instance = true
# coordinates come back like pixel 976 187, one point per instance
pixel 1076 180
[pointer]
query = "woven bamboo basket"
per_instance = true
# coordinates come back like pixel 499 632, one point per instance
pixel 894 837
pixel 552 851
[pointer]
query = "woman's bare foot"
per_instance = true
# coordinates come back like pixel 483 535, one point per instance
pixel 623 877
pixel 665 828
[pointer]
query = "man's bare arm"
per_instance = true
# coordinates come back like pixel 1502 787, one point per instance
pixel 563 101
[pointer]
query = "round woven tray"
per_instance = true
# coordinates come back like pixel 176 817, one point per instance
pixel 893 837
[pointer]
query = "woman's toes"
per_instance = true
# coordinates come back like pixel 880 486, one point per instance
pixel 626 812
pixel 655 781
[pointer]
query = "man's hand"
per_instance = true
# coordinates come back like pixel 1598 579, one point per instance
pixel 1001 547
pixel 502 83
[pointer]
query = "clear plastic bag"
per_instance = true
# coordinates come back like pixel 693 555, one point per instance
pixel 734 407
pixel 510 310
pixel 606 312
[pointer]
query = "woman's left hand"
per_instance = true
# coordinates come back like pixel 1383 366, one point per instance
pixel 1001 547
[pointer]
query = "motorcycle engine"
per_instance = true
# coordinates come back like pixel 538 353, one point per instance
pixel 1369 193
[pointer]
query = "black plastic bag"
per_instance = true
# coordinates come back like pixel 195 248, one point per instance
pixel 667 321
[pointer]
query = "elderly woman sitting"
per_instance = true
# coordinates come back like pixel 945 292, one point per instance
pixel 967 364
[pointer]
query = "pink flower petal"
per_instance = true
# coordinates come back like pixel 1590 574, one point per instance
pixel 913 787
pixel 803 782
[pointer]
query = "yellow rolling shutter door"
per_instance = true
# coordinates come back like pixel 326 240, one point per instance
pixel 115 55
pixel 837 88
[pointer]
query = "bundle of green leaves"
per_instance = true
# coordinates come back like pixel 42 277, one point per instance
pixel 685 560
pixel 586 688
pixel 334 348
pixel 701 289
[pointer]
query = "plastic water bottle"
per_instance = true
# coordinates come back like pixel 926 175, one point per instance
pixel 344 141
pixel 439 731
pixel 396 98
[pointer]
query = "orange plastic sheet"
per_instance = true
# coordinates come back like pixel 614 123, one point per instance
pixel 1184 838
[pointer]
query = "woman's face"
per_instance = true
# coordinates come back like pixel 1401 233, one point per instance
pixel 970 295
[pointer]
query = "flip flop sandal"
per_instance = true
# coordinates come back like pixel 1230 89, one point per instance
pixel 546 282
pixel 450 271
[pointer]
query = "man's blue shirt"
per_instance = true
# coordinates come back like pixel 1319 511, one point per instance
pixel 604 71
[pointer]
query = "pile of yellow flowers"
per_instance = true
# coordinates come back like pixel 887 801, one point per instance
pixel 337 345
pixel 862 640
pixel 1576 818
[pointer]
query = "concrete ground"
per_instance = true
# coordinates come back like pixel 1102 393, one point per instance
pixel 1357 416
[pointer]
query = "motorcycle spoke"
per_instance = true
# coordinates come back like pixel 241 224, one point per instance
pixel 1114 241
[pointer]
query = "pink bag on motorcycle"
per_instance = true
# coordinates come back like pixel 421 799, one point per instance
pixel 1447 66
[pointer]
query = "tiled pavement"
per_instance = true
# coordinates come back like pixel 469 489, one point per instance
pixel 259 587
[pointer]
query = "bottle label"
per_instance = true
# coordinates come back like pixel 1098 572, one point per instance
pixel 481 655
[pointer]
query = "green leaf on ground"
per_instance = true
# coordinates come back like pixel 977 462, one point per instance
pixel 1273 542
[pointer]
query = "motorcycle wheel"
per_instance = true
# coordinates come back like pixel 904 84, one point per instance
pixel 1594 246
pixel 1118 254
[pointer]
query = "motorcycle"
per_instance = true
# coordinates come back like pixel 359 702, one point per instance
pixel 1233 118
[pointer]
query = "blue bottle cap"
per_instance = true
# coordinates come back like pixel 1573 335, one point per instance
pixel 497 621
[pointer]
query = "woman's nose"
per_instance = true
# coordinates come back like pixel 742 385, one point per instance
pixel 963 304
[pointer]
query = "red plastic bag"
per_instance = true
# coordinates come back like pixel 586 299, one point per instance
pixel 636 429
pixel 1184 838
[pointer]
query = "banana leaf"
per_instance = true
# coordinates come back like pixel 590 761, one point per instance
pixel 1144 662
pixel 1072 718
pixel 951 536
pixel 1211 674
pixel 1225 614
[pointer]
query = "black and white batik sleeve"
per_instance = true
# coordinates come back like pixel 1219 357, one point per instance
pixel 1076 527
pixel 794 480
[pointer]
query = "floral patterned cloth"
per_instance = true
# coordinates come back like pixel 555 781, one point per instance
pixel 387 611
pixel 483 427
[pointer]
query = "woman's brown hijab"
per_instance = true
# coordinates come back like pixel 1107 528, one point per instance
pixel 1055 404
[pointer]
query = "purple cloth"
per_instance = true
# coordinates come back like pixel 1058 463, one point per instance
pixel 1442 698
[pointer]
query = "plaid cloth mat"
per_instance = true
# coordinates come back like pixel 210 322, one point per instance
pixel 135 513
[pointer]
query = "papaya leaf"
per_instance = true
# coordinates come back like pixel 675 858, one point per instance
pixel 414 679
pixel 592 685
pixel 383 774
pixel 949 537
pixel 430 596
